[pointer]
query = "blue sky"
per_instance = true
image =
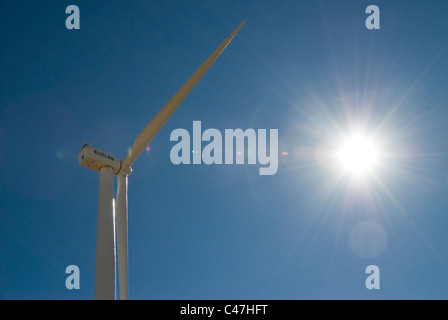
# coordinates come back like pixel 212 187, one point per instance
pixel 308 68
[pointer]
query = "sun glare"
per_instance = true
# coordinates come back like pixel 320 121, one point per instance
pixel 358 155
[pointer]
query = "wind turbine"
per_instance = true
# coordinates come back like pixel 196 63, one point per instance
pixel 110 213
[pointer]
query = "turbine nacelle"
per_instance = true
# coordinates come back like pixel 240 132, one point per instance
pixel 94 159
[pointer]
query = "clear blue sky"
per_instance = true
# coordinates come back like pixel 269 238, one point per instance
pixel 308 68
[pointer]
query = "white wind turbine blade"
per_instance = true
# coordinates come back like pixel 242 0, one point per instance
pixel 159 120
pixel 122 234
pixel 105 238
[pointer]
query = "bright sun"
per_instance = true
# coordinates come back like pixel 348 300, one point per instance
pixel 358 155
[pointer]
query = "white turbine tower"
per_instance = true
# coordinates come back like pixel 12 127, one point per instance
pixel 110 213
